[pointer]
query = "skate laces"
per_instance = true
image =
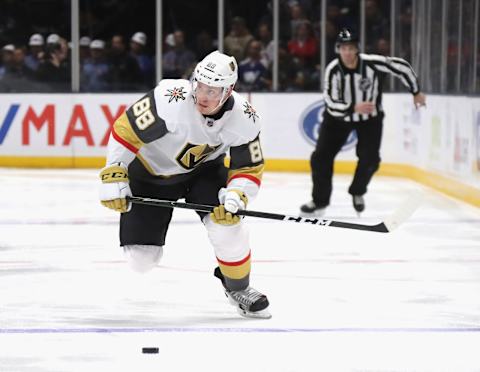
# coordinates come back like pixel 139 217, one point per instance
pixel 247 296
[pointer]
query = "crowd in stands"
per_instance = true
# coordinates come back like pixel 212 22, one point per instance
pixel 44 65
pixel 125 63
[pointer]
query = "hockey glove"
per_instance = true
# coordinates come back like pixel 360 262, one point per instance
pixel 114 188
pixel 231 201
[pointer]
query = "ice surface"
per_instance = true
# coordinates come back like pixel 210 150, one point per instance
pixel 341 300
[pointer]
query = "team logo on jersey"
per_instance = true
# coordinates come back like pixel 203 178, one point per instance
pixel 311 122
pixel 192 155
pixel 250 111
pixel 175 94
pixel 365 84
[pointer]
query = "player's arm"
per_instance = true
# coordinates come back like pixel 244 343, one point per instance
pixel 246 168
pixel 244 179
pixel 138 125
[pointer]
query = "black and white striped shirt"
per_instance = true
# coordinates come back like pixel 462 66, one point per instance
pixel 344 87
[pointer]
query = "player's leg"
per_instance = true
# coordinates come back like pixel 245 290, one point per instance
pixel 332 137
pixel 231 245
pixel 368 153
pixel 144 228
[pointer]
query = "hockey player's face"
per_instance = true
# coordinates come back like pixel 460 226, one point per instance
pixel 348 53
pixel 208 98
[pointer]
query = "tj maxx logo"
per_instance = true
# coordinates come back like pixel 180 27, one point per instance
pixel 78 125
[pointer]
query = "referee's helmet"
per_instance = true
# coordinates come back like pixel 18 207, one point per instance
pixel 346 36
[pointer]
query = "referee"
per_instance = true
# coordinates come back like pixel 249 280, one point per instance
pixel 353 97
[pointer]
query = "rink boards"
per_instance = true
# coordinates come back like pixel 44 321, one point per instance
pixel 438 145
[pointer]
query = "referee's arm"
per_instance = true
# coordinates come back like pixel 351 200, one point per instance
pixel 336 104
pixel 403 70
pixel 395 66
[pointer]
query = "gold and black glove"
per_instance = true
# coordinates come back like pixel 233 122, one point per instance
pixel 115 188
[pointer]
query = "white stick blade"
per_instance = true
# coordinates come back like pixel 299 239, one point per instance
pixel 404 212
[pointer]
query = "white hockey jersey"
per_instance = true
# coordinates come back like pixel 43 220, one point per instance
pixel 169 136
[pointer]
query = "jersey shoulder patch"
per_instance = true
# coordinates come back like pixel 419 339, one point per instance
pixel 171 98
pixel 144 119
pixel 172 91
pixel 246 108
pixel 244 122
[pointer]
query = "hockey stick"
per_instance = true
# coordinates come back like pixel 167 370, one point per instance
pixel 390 223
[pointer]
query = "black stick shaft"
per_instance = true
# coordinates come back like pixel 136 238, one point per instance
pixel 271 216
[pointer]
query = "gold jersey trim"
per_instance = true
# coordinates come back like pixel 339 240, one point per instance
pixel 124 130
pixel 256 171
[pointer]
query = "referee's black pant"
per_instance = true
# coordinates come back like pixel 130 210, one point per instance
pixel 332 136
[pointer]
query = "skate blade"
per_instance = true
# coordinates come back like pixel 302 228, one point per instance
pixel 262 314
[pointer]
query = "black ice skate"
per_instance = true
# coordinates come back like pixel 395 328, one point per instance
pixel 358 203
pixel 249 302
pixel 312 209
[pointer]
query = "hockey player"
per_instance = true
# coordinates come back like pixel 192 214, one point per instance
pixel 171 144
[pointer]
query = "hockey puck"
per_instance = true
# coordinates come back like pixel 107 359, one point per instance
pixel 150 350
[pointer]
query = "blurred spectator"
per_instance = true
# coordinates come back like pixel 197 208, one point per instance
pixel 252 72
pixel 383 47
pixel 95 70
pixel 179 61
pixel 204 44
pixel 18 66
pixel 340 15
pixel 35 43
pixel 238 38
pixel 54 69
pixel 297 17
pixel 169 42
pixel 7 59
pixel 334 14
pixel 285 32
pixel 404 38
pixel 53 39
pixel 138 43
pixel 84 43
pixel 17 77
pixel 303 46
pixel 265 38
pixel 331 31
pixel 376 25
pixel 348 15
pixel 124 71
pixel 306 5
pixel 287 72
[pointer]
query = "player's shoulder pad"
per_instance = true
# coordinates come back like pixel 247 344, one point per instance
pixel 245 119
pixel 171 96
pixel 151 117
pixel 144 119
